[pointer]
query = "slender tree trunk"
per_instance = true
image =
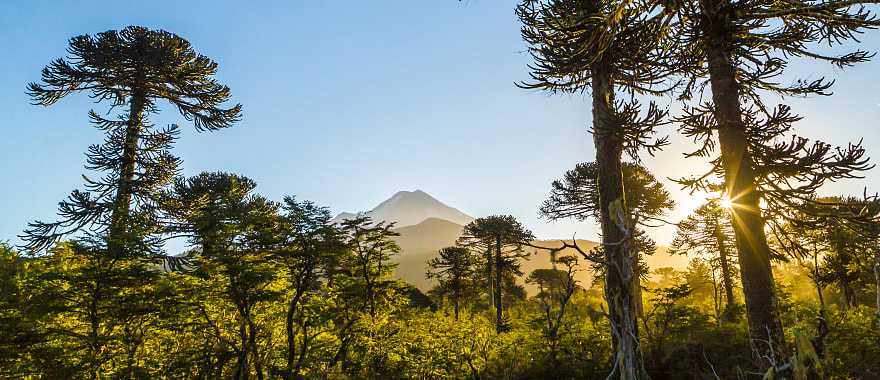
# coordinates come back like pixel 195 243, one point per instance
pixel 637 288
pixel 748 224
pixel 616 233
pixel 726 274
pixel 291 334
pixel 252 341
pixel 456 294
pixel 242 369
pixel 490 283
pixel 877 282
pixel 499 312
pixel 122 203
pixel 94 325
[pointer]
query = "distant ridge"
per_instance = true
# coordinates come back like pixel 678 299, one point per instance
pixel 408 208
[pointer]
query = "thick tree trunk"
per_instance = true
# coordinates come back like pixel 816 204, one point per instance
pixel 122 203
pixel 748 223
pixel 616 233
pixel 499 312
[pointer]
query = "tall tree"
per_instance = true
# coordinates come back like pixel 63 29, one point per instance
pixel 454 267
pixel 607 47
pixel 133 68
pixel 507 237
pixel 740 50
pixel 708 232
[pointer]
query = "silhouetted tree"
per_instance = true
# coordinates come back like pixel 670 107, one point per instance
pixel 134 68
pixel 555 289
pixel 576 195
pixel 454 267
pixel 708 233
pixel 507 237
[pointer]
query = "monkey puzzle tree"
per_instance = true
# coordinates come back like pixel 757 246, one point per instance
pixel 606 47
pixel 576 196
pixel 134 68
pixel 707 232
pixel 507 237
pixel 454 267
pixel 740 50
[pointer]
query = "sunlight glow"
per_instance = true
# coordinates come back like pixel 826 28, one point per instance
pixel 726 202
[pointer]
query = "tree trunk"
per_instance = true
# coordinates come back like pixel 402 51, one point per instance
pixel 726 274
pixel 748 224
pixel 122 203
pixel 252 341
pixel 456 294
pixel 291 334
pixel 616 234
pixel 499 313
pixel 489 281
pixel 877 282
pixel 242 369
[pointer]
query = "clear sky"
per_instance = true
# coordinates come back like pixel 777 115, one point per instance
pixel 347 102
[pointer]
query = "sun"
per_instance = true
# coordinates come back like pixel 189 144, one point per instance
pixel 726 202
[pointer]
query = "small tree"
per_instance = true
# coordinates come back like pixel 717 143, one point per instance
pixel 454 267
pixel 372 247
pixel 555 289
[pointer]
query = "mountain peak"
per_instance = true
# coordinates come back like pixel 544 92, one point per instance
pixel 407 208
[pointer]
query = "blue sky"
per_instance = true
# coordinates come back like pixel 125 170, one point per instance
pixel 346 103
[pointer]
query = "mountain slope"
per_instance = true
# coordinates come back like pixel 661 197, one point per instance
pixel 408 208
pixel 426 225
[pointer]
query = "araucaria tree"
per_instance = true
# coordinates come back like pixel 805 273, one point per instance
pixel 607 48
pixel 708 233
pixel 741 50
pixel 504 236
pixel 134 69
pixel 576 196
pixel 454 267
